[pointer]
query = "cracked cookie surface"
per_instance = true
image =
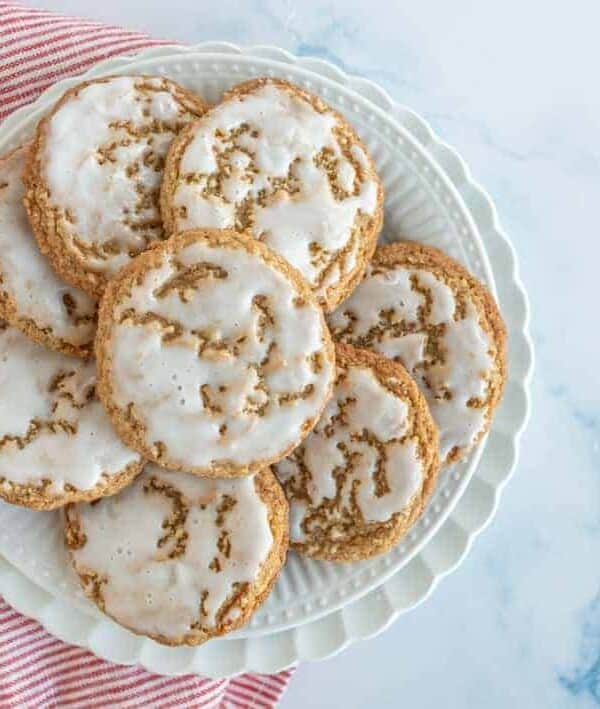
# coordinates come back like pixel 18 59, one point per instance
pixel 213 354
pixel 364 474
pixel 57 444
pixel 419 307
pixel 32 297
pixel 94 172
pixel 277 162
pixel 178 558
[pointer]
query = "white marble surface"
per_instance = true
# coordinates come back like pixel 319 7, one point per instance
pixel 514 86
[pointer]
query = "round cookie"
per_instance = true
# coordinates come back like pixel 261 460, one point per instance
pixel 32 297
pixel 419 307
pixel 57 444
pixel 362 477
pixel 213 355
pixel 93 177
pixel 273 160
pixel 179 558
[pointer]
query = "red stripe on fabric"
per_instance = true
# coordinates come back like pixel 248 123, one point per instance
pixel 51 77
pixel 117 687
pixel 54 46
pixel 25 629
pixel 256 701
pixel 26 688
pixel 20 642
pixel 21 659
pixel 59 655
pixel 111 693
pixel 189 687
pixel 82 675
pixel 7 610
pixel 234 702
pixel 112 684
pixel 10 614
pixel 68 40
pixel 86 49
pixel 255 687
pixel 14 621
pixel 37 678
pixel 25 14
pixel 24 84
pixel 148 693
pixel 70 674
pixel 23 32
pixel 200 685
pixel 12 625
pixel 278 679
pixel 55 687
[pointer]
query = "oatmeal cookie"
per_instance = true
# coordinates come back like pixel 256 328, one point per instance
pixel 419 307
pixel 57 445
pixel 32 297
pixel 362 477
pixel 92 180
pixel 179 558
pixel 213 354
pixel 276 161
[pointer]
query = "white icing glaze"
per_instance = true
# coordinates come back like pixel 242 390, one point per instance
pixel 103 199
pixel 79 457
pixel 168 381
pixel 285 134
pixel 147 590
pixel 466 345
pixel 368 408
pixel 27 278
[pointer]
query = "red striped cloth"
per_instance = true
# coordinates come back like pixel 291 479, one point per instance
pixel 38 48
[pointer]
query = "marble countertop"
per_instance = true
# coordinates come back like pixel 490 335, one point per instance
pixel 514 87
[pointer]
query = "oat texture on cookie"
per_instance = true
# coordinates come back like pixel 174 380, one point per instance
pixel 213 354
pixel 277 162
pixel 32 297
pixel 57 444
pixel 419 307
pixel 95 169
pixel 363 475
pixel 180 558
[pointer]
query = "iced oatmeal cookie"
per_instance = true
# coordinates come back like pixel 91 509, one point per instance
pixel 421 308
pixel 57 444
pixel 93 176
pixel 213 354
pixel 178 558
pixel 32 297
pixel 362 477
pixel 276 161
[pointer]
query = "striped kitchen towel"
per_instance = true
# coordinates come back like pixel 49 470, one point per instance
pixel 38 48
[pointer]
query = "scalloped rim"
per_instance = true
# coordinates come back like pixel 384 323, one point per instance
pixel 308 641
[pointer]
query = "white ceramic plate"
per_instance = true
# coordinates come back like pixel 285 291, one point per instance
pixel 316 608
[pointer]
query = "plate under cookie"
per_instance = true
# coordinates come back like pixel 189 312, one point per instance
pixel 316 607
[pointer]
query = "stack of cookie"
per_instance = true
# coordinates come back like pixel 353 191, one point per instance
pixel 206 359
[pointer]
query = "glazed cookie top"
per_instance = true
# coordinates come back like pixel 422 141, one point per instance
pixel 32 296
pixel 213 355
pixel 180 558
pixel 94 177
pixel 56 442
pixel 274 160
pixel 362 476
pixel 421 308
